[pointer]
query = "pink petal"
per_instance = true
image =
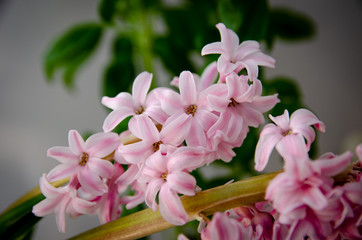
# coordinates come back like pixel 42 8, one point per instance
pixel 208 76
pixel 212 48
pixel 62 171
pixel 144 128
pixel 307 132
pixel 196 135
pixel 303 117
pixel 101 145
pixel 47 189
pixel 100 167
pixel 91 182
pixel 175 129
pixel 156 113
pixel 76 142
pixel 45 207
pixel 62 154
pixel 170 102
pixel 151 192
pixel 128 176
pixel 282 121
pixel 186 158
pixel 140 88
pixel 60 214
pixel 264 148
pixel 218 103
pixel 136 152
pixel 181 182
pixel 315 199
pixel 332 167
pixel 82 206
pixel 246 48
pixel 229 39
pixel 171 207
pixel 115 117
pixel 187 88
pixel 123 99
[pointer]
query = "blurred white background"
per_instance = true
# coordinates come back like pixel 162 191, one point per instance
pixel 36 115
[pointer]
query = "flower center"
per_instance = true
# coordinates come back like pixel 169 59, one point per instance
pixel 191 109
pixel 156 146
pixel 289 132
pixel 140 110
pixel 232 103
pixel 164 176
pixel 84 159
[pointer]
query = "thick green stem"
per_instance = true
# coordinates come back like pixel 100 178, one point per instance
pixel 146 222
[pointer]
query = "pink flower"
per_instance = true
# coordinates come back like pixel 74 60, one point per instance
pixel 305 184
pixel 192 105
pixel 169 176
pixel 61 201
pixel 153 140
pixel 125 104
pixel 224 227
pixel 109 204
pixel 235 57
pixel 84 160
pixel 273 135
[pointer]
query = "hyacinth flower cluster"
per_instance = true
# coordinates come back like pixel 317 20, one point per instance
pixel 306 200
pixel 171 133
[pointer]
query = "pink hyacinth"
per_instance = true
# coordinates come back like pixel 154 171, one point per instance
pixel 61 201
pixel 169 176
pixel 298 126
pixel 84 160
pixel 125 104
pixel 235 57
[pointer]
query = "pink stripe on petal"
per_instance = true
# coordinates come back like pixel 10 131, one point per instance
pixel 62 154
pixel 82 206
pixel 187 88
pixel 76 142
pixel 45 207
pixel 151 192
pixel 147 130
pixel 282 121
pixel 136 152
pixel 63 171
pixel 304 117
pixel 123 99
pixel 212 48
pixel 264 148
pixel 140 88
pixel 171 207
pixel 175 129
pixel 100 167
pixel 333 166
pixel 47 189
pixel 60 214
pixel 315 199
pixel 115 117
pixel 91 182
pixel 102 144
pixel 181 182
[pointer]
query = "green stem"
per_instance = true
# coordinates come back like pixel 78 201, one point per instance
pixel 146 222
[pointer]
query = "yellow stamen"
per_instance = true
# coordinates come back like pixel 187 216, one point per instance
pixel 84 159
pixel 156 146
pixel 191 110
pixel 232 102
pixel 140 110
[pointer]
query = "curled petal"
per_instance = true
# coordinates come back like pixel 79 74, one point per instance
pixel 282 121
pixel 264 148
pixel 333 166
pixel 304 117
pixel 45 207
pixel 136 152
pixel 123 99
pixel 182 182
pixel 151 192
pixel 171 207
pixel 175 129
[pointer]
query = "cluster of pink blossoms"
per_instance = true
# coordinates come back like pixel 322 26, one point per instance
pixel 304 201
pixel 178 132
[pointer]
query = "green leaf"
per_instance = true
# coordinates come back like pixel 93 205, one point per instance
pixel 107 10
pixel 120 72
pixel 71 50
pixel 290 24
pixel 18 221
pixel 288 93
